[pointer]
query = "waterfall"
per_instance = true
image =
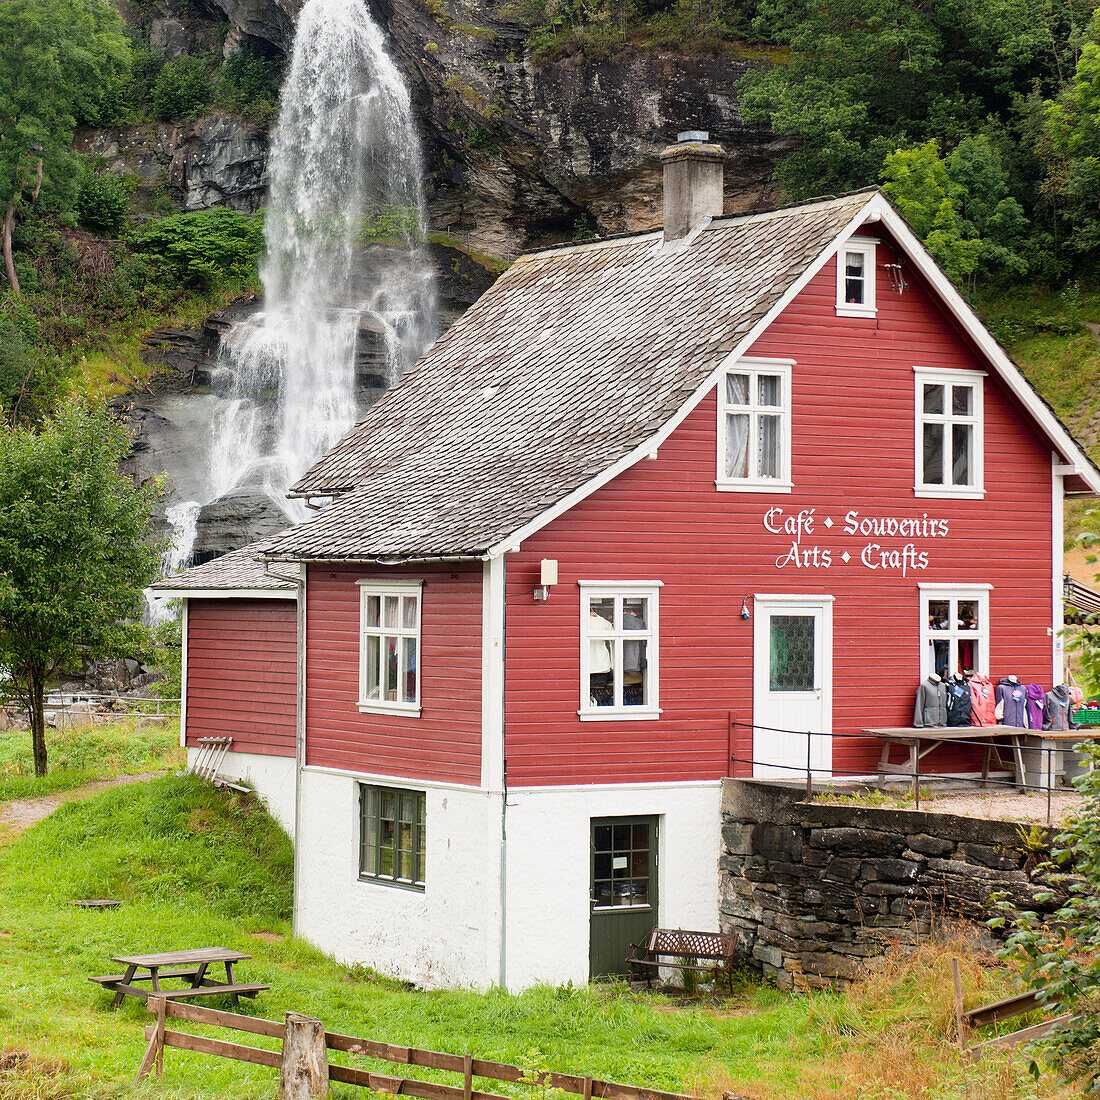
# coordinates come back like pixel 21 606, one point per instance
pixel 344 231
pixel 184 519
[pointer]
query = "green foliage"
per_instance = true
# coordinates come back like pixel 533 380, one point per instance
pixel 204 250
pixel 182 88
pixel 101 202
pixel 1061 956
pixel 54 57
pixel 75 552
pixel 168 654
pixel 248 82
pixel 390 223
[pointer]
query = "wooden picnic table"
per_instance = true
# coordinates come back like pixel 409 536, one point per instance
pixel 191 964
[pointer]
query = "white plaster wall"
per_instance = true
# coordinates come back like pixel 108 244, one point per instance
pixel 272 777
pixel 548 869
pixel 441 937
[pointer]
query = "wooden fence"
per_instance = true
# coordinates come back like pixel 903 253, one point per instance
pixel 304 1070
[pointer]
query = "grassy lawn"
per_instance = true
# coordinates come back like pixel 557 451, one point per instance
pixel 197 867
pixel 77 756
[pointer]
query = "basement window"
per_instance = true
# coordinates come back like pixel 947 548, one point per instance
pixel 392 835
pixel 855 279
pixel 618 650
pixel 389 647
pixel 754 427
pixel 949 444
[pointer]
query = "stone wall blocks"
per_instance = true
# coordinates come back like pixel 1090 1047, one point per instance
pixel 995 857
pixel 929 845
pixel 890 870
pixel 779 842
pixel 843 870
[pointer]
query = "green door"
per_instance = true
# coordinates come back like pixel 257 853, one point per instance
pixel 624 889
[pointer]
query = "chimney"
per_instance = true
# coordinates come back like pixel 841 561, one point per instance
pixel 693 182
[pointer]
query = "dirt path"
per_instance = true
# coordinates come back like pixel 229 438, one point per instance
pixel 22 813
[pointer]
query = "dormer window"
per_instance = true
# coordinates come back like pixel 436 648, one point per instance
pixel 855 278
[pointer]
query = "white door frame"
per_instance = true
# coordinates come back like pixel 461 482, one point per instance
pixel 764 603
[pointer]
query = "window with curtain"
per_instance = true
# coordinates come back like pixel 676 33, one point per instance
pixel 618 651
pixel 389 646
pixel 855 279
pixel 755 426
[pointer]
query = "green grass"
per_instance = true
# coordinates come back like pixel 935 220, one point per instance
pixel 196 867
pixel 77 756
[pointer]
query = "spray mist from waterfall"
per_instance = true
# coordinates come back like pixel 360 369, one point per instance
pixel 344 230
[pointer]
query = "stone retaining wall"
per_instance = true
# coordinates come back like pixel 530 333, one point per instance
pixel 817 893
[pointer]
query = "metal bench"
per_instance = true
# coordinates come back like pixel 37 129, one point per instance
pixel 679 949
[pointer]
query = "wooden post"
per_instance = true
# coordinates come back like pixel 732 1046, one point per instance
pixel 467 1077
pixel 154 1052
pixel 303 1074
pixel 960 1023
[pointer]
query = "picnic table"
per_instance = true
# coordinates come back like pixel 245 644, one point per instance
pixel 920 741
pixel 192 965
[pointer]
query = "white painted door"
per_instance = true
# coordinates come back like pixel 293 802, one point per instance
pixel 792 686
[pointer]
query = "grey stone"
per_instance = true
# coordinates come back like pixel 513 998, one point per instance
pixel 170 37
pixel 929 845
pixel 890 870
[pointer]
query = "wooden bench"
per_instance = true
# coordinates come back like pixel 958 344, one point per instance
pixel 679 949
pixel 207 989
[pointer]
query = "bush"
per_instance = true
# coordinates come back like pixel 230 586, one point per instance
pixel 182 88
pixel 249 82
pixel 204 250
pixel 101 202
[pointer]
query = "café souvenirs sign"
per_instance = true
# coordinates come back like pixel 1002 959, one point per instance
pixel 892 543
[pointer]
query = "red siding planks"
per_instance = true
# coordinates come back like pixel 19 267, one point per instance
pixel 853 449
pixel 444 743
pixel 242 669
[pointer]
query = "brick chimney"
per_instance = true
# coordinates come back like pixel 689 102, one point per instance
pixel 693 182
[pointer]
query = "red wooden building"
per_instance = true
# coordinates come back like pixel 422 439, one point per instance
pixel 652 503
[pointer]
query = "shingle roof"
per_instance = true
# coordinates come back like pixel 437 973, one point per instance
pixel 571 360
pixel 237 569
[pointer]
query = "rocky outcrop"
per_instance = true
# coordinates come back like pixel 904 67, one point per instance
pixel 219 160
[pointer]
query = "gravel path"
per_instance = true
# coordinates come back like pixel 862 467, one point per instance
pixel 1004 806
pixel 22 813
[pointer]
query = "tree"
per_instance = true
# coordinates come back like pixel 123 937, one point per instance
pixel 75 553
pixel 1062 956
pixel 54 55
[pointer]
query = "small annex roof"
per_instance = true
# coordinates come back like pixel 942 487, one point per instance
pixel 229 575
pixel 576 363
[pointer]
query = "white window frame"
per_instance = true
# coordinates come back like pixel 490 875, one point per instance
pixel 590 590
pixel 754 368
pixel 939 376
pixel 979 593
pixel 865 246
pixel 382 589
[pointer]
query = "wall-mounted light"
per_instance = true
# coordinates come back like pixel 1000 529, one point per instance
pixel 745 608
pixel 548 575
pixel 1067 587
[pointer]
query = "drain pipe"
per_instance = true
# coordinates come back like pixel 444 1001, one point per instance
pixel 299 747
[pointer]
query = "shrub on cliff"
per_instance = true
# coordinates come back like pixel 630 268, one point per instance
pixel 204 250
pixel 1061 958
pixel 101 202
pixel 182 88
pixel 249 83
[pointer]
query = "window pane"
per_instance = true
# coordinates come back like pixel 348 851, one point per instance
pixel 961 404
pixel 933 454
pixel 634 674
pixel 771 390
pixel 391 669
pixel 373 610
pixel 389 802
pixel 933 399
pixel 601 838
pixel 737 445
pixel 373 648
pixel 621 838
pixel 635 613
pixel 853 278
pixel 941 657
pixel 939 614
pixel 968 614
pixel 390 610
pixel 409 659
pixel 768 450
pixel 960 453
pixel 792 653
pixel 737 389
pixel 968 655
pixel 408 617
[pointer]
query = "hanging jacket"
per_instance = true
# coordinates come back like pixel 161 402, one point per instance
pixel 958 703
pixel 1036 703
pixel 931 708
pixel 1056 714
pixel 983 703
pixel 1013 697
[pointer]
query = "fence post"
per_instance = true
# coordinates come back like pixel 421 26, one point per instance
pixel 303 1074
pixel 809 775
pixel 154 1052
pixel 960 1022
